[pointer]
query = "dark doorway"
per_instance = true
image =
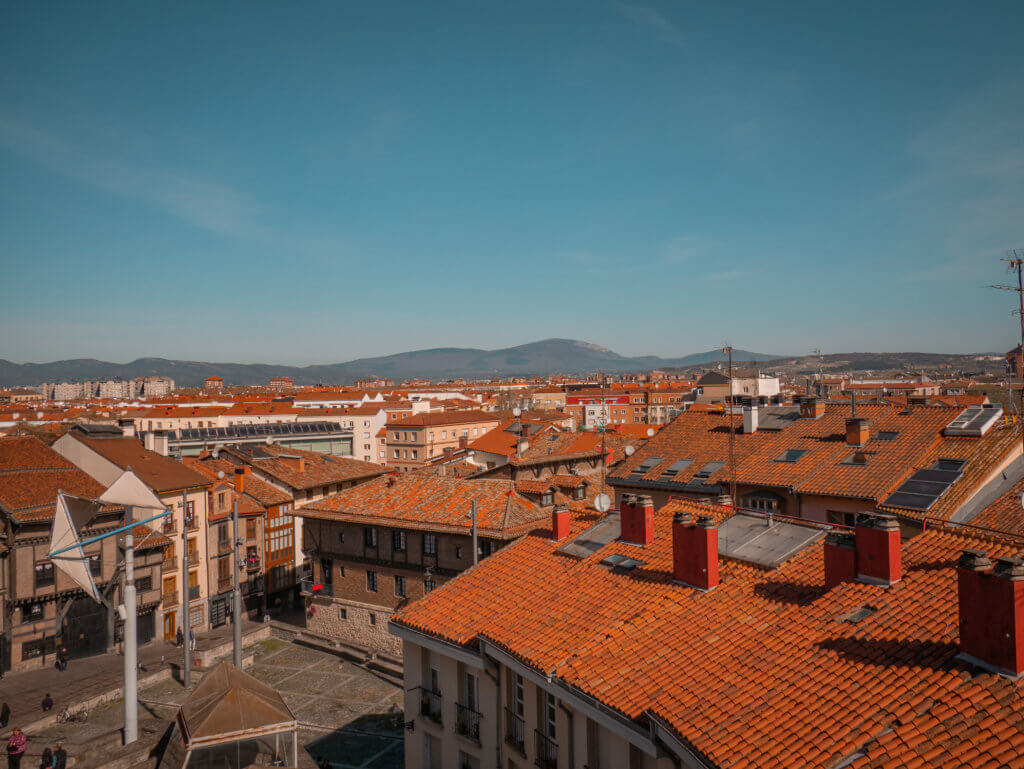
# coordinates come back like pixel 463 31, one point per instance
pixel 84 631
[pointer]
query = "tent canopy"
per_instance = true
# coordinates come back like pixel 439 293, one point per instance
pixel 230 705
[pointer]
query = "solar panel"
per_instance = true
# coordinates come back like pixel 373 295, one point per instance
pixel 938 476
pixel 912 501
pixel 924 487
pixel 916 486
pixel 676 468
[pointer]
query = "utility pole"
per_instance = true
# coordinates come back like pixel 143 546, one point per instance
pixel 186 620
pixel 130 637
pixel 236 597
pixel 1014 260
pixel 727 348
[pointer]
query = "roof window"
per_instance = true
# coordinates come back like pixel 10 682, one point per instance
pixel 791 455
pixel 709 469
pixel 646 466
pixel 677 467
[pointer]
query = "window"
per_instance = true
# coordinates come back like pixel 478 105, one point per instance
pixel 341 538
pixel 224 570
pixel 430 544
pixel 549 715
pixel 222 499
pixel 428 585
pixel 195 615
pixel 342 612
pixel 223 541
pixel 371 581
pixel 764 502
pixel 579 492
pixel 143 584
pixel 250 528
pixel 547 498
pixel 400 586
pixel 32 612
pixel 44 574
pixel 33 649
pixel 398 454
pixel 96 565
pixel 370 536
pixel 843 519
pixel 458 552
pixel 373 618
pixel 327 570
pixel 515 694
pixel 790 455
pixel 398 541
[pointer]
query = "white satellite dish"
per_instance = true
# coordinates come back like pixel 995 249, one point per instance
pixel 269 440
pixel 650 432
pixel 629 451
pixel 517 411
pixel 215 453
pixel 220 474
pixel 602 503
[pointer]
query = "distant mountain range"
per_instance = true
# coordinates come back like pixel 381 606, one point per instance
pixel 549 356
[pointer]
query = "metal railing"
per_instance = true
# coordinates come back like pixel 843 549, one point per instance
pixel 193 593
pixel 170 599
pixel 547 751
pixel 430 704
pixel 515 730
pixel 252 564
pixel 467 722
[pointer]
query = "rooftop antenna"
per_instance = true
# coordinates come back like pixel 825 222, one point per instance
pixel 1014 260
pixel 727 348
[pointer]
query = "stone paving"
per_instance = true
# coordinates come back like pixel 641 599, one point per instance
pixel 358 714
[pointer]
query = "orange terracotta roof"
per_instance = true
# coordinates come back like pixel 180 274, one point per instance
pixel 435 419
pixel 260 491
pixel 282 464
pixel 767 670
pixel 432 502
pixel 31 474
pixel 158 472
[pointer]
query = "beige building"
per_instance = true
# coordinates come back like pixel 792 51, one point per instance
pixel 103 453
pixel 410 442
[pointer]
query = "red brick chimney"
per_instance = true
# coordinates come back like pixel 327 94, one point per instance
pixel 637 521
pixel 812 408
pixel 559 522
pixel 240 480
pixel 840 558
pixel 695 551
pixel 858 430
pixel 878 550
pixel 991 604
pixel 463 441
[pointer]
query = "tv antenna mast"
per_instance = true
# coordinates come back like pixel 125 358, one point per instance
pixel 1014 260
pixel 727 349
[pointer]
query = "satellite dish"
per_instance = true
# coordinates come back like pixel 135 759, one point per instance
pixel 517 411
pixel 629 451
pixel 602 503
pixel 269 440
pixel 650 432
pixel 220 474
pixel 215 453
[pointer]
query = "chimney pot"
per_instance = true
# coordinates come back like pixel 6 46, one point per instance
pixel 991 607
pixel 858 430
pixel 559 522
pixel 840 558
pixel 240 480
pixel 878 550
pixel 695 551
pixel 637 520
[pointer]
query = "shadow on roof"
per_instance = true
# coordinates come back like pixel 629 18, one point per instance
pixel 794 593
pixel 896 652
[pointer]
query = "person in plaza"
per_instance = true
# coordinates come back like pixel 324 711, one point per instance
pixel 60 757
pixel 62 659
pixel 16 748
pixel 179 638
pixel 5 715
pixel 47 703
pixel 191 639
pixel 46 760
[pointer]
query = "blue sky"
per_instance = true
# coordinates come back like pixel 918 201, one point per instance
pixel 306 182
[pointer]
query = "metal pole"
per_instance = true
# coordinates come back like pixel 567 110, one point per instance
pixel 130 640
pixel 186 626
pixel 473 516
pixel 236 597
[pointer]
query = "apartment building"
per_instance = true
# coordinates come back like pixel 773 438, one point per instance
pixel 104 453
pixel 43 609
pixel 697 637
pixel 411 441
pixel 714 387
pixel 381 544
pixel 828 462
pixel 507 439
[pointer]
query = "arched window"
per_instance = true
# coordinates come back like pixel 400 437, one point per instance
pixel 764 501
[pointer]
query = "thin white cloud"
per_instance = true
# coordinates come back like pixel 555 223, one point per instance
pixel 648 17
pixel 198 201
pixel 727 275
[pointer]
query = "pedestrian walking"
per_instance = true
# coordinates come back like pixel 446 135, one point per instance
pixel 60 757
pixel 191 639
pixel 47 703
pixel 62 659
pixel 179 638
pixel 16 748
pixel 46 760
pixel 5 715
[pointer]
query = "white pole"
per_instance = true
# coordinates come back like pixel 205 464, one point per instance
pixel 131 651
pixel 236 595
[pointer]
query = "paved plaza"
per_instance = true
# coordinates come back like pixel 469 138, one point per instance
pixel 352 717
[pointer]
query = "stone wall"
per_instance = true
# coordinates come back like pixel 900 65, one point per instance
pixel 350 621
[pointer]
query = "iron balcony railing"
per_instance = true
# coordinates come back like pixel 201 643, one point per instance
pixel 430 704
pixel 252 563
pixel 467 722
pixel 515 730
pixel 547 751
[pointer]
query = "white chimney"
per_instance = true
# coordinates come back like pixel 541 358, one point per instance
pixel 750 419
pixel 160 444
pixel 147 440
